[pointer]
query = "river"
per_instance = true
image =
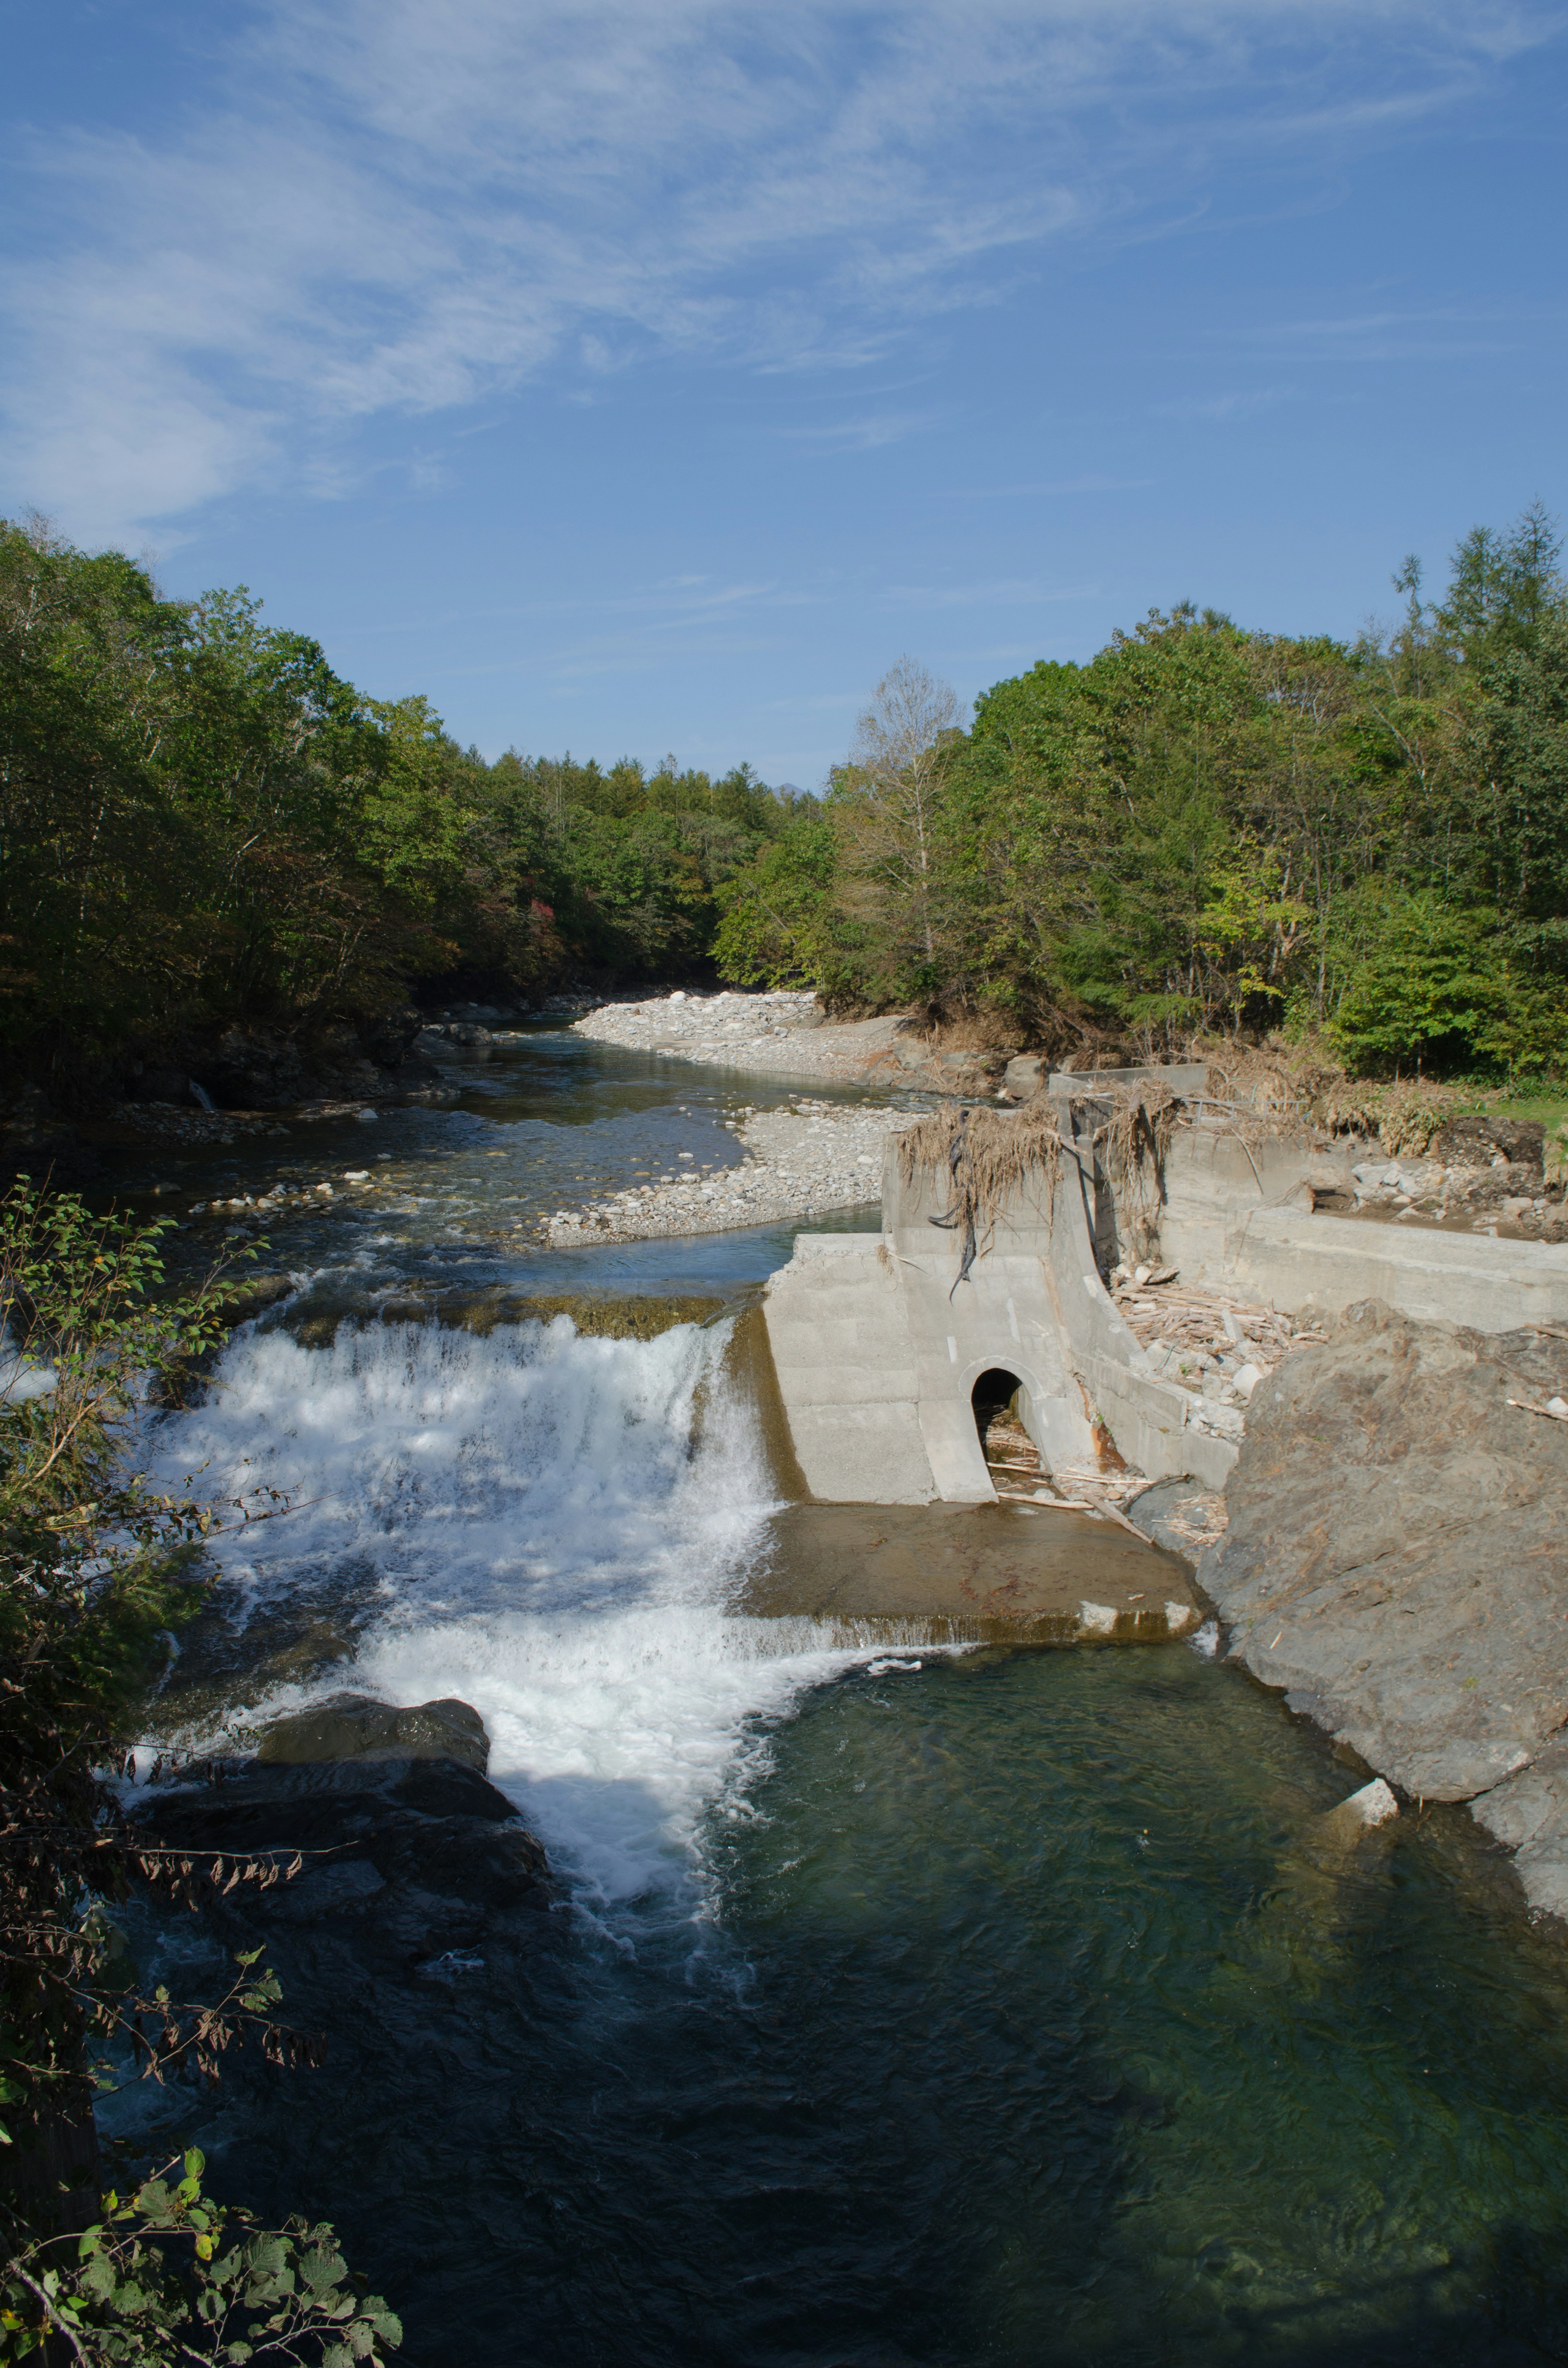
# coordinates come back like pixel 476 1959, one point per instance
pixel 939 2008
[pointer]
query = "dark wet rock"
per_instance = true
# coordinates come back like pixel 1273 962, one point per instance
pixel 1396 1556
pixel 252 1293
pixel 401 1832
pixel 359 1727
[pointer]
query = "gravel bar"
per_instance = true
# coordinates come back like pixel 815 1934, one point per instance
pixel 817 1156
pixel 783 1035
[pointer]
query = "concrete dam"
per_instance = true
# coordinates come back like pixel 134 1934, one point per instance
pixel 884 1345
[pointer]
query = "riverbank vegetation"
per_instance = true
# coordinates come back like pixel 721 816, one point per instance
pixel 202 826
pixel 1210 828
pixel 1207 828
pixel 96 1572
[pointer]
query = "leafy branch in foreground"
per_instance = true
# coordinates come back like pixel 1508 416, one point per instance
pixel 170 2276
pixel 95 1572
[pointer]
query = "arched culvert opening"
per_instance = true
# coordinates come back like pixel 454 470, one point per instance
pixel 1011 1455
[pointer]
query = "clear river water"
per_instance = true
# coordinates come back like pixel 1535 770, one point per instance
pixel 922 2007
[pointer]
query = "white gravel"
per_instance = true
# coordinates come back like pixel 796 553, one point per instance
pixel 817 1156
pixel 783 1033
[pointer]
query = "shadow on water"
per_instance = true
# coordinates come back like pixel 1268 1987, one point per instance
pixel 1009 2007
pixel 1017 2011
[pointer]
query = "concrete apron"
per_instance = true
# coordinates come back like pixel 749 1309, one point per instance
pixel 1239 1213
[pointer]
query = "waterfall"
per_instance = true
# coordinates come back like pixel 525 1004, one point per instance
pixel 201 1098
pixel 549 1527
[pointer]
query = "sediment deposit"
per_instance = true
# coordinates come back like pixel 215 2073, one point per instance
pixel 799 1163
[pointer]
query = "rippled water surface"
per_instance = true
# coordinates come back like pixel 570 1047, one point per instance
pixel 998 2007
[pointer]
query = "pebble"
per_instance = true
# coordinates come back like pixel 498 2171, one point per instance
pixel 817 1156
pixel 783 1032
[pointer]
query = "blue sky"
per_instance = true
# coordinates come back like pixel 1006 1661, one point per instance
pixel 634 378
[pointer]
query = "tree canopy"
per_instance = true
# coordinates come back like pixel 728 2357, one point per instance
pixel 1208 827
pixel 202 823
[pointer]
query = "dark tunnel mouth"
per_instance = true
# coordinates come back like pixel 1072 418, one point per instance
pixel 996 1392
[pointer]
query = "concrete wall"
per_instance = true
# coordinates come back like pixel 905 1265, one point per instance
pixel 838 1329
pixel 1241 1213
pixel 878 1348
pixel 1149 1420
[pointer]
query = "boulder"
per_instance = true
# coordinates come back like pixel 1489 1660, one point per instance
pixel 357 1728
pixel 407 1847
pixel 1396 1557
pixel 1528 1813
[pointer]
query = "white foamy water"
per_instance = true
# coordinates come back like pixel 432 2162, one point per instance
pixel 554 1525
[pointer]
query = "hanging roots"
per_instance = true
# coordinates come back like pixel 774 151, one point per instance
pixel 1137 1136
pixel 985 1157
pixel 1139 1130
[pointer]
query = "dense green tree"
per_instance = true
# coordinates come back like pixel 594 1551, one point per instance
pixel 202 823
pixel 1207 826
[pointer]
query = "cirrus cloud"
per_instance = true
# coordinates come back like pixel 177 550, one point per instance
pixel 405 208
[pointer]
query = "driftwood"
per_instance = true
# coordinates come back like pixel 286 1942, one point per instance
pixel 986 1155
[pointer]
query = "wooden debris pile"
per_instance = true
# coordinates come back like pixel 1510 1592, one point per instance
pixel 1205 1337
pixel 1017 1474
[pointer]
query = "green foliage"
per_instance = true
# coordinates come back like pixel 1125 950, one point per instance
pixel 1207 828
pixel 94 1571
pixel 202 824
pixel 168 2275
pixel 781 920
pixel 1430 979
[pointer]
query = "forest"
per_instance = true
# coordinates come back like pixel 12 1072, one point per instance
pixel 1206 827
pixel 1211 828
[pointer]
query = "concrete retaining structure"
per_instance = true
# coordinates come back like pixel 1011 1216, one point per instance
pixel 878 1348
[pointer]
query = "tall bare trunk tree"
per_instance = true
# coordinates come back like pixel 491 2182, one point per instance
pixel 896 770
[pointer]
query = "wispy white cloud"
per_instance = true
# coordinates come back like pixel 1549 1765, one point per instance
pixel 1234 402
pixel 1419 334
pixel 865 434
pixel 402 206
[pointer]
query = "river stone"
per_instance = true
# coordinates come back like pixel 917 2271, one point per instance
pixel 358 1726
pixel 408 1849
pixel 1396 1557
pixel 1528 1813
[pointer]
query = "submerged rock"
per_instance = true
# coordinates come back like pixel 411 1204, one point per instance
pixel 400 1830
pixel 1396 1556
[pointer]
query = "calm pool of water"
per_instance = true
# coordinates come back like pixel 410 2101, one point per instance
pixel 1012 2007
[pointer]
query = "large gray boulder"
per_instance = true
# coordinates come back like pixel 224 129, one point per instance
pixel 348 1726
pixel 407 1847
pixel 1528 1813
pixel 1397 1554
